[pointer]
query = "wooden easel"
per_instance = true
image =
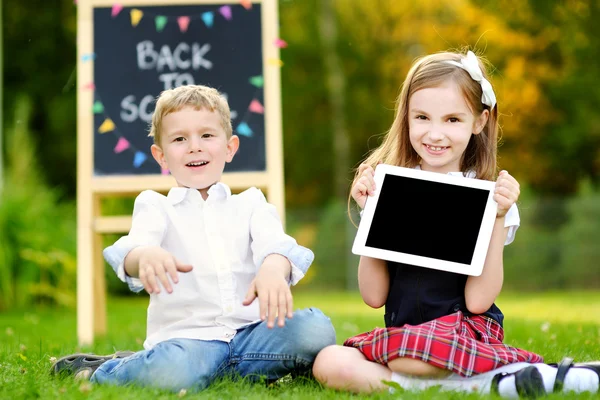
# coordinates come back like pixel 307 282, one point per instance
pixel 91 224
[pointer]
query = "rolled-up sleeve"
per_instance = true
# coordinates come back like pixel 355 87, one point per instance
pixel 268 237
pixel 148 227
pixel 512 221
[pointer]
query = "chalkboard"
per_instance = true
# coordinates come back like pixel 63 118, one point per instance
pixel 140 51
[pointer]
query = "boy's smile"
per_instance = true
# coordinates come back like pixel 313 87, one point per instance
pixel 194 148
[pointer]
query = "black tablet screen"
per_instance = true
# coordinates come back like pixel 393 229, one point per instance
pixel 428 219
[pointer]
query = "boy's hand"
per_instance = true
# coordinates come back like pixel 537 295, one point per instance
pixel 154 265
pixel 273 291
pixel 506 193
pixel 364 186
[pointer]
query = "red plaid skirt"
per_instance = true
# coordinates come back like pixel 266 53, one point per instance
pixel 465 345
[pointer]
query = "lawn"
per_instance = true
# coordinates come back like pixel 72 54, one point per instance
pixel 551 324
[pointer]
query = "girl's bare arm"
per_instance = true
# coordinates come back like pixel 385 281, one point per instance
pixel 373 281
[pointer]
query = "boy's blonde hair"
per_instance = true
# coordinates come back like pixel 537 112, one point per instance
pixel 428 72
pixel 197 96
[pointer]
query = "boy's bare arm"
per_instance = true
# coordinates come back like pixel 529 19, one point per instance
pixel 272 289
pixel 152 264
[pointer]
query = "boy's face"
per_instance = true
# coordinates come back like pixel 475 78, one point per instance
pixel 194 148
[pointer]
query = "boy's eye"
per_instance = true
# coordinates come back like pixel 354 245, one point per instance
pixel 207 135
pixel 179 139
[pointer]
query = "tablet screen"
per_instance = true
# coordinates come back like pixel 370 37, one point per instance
pixel 426 218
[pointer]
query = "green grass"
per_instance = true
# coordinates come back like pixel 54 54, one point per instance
pixel 551 324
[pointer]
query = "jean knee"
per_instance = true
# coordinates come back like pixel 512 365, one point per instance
pixel 313 332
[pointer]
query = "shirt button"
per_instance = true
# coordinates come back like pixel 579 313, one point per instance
pixel 457 308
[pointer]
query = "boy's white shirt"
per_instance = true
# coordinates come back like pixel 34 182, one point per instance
pixel 225 238
pixel 512 221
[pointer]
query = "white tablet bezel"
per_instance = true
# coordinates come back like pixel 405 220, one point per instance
pixel 485 233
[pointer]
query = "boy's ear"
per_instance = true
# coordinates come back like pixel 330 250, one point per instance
pixel 480 122
pixel 159 156
pixel 232 147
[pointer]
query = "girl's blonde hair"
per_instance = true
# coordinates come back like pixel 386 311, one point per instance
pixel 432 71
pixel 197 96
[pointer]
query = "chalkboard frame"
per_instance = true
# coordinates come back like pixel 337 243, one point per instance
pixel 91 189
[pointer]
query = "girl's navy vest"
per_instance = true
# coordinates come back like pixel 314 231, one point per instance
pixel 418 295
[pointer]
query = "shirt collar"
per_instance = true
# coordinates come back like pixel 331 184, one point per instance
pixel 468 174
pixel 217 192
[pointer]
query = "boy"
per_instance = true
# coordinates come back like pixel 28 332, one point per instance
pixel 204 256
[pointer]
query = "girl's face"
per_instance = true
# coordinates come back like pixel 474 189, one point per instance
pixel 440 126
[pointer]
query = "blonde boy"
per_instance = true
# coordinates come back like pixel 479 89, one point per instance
pixel 217 266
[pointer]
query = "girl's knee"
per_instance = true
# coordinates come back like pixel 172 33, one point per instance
pixel 334 366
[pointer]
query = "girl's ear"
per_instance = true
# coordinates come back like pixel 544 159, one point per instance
pixel 480 122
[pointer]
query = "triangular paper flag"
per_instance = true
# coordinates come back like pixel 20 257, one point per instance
pixel 116 9
pixel 256 107
pixel 225 12
pixel 136 16
pixel 183 22
pixel 107 126
pixel 208 18
pixel 98 108
pixel 244 130
pixel 247 4
pixel 139 159
pixel 257 80
pixel 122 145
pixel 160 22
pixel 275 62
pixel 164 171
pixel 88 57
pixel 280 43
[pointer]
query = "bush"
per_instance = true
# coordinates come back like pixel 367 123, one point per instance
pixel 37 230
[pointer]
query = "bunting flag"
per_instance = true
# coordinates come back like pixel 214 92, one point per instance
pixel 88 57
pixel 183 23
pixel 280 43
pixel 107 126
pixel 247 4
pixel 116 9
pixel 225 12
pixel 136 16
pixel 98 108
pixel 139 159
pixel 274 61
pixel 160 22
pixel 244 130
pixel 257 81
pixel 208 18
pixel 122 145
pixel 256 107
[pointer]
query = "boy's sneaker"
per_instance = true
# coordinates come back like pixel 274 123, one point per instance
pixel 82 365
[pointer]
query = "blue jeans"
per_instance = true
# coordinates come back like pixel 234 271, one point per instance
pixel 255 351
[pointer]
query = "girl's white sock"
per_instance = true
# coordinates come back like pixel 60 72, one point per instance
pixel 480 383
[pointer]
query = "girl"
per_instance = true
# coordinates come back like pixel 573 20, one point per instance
pixel 442 329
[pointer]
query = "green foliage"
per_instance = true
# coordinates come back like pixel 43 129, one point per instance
pixel 557 244
pixel 553 325
pixel 37 229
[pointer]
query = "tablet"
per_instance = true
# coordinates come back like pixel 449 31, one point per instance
pixel 428 219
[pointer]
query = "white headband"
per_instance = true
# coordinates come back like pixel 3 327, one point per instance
pixel 471 65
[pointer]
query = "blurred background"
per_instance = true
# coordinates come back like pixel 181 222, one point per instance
pixel 341 73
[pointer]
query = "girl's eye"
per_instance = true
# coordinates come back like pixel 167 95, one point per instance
pixel 453 119
pixel 421 117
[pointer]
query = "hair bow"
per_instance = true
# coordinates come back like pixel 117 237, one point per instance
pixel 470 64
